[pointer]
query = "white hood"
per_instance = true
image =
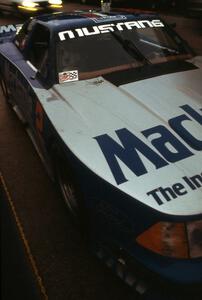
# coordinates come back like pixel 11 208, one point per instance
pixel 83 110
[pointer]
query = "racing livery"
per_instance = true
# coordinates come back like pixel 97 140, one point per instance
pixel 113 104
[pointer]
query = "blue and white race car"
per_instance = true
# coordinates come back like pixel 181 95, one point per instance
pixel 113 104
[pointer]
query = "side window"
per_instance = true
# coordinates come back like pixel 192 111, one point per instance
pixel 38 47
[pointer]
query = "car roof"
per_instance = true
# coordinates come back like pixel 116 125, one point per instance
pixel 62 21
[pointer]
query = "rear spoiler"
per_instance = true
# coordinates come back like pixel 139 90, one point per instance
pixel 7 32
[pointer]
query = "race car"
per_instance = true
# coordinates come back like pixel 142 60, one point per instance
pixel 113 105
pixel 30 6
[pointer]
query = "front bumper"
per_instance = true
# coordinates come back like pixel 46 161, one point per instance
pixel 181 278
pixel 172 270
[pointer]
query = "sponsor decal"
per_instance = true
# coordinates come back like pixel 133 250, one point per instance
pixel 68 76
pixel 10 28
pixel 18 27
pixel 7 28
pixel 106 28
pixel 168 148
pixel 165 194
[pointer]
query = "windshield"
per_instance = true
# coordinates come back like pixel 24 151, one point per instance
pixel 98 53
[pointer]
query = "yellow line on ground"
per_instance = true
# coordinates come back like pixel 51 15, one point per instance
pixel 24 239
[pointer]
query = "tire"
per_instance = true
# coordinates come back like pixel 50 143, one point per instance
pixel 67 188
pixel 72 197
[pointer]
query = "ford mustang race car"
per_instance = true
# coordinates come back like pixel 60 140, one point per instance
pixel 113 104
pixel 30 6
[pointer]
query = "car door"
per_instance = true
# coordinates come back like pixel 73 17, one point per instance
pixel 25 75
pixel 33 43
pixel 37 57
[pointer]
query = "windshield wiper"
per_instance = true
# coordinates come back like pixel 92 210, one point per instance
pixel 160 46
pixel 131 48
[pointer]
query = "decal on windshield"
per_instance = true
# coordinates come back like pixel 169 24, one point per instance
pixel 106 28
pixel 68 76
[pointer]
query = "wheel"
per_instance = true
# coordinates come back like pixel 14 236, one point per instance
pixel 72 197
pixel 68 188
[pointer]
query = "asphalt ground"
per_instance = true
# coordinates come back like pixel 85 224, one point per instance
pixel 20 277
pixel 64 263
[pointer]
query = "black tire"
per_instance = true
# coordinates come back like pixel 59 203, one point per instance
pixel 67 187
pixel 71 194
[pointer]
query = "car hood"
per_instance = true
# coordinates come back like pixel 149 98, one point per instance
pixel 108 128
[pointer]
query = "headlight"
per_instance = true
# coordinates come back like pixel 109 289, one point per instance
pixel 57 2
pixel 179 240
pixel 29 3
